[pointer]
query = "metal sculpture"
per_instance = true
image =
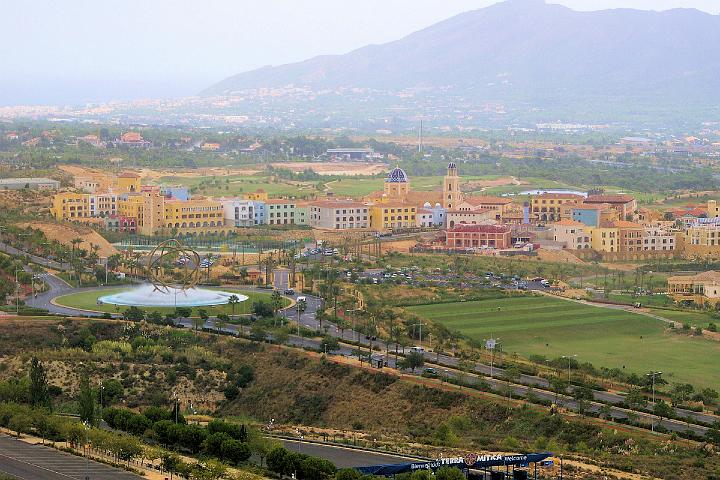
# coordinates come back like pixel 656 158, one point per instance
pixel 173 250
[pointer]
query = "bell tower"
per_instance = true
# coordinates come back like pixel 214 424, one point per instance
pixel 452 196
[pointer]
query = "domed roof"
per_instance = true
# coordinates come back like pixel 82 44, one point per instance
pixel 452 165
pixel 397 175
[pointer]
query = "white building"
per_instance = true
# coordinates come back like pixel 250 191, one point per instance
pixel 572 235
pixel 339 215
pixel 243 213
pixel 658 238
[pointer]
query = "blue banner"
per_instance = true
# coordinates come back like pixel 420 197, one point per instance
pixel 469 461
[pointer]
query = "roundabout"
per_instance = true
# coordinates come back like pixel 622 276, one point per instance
pixel 93 300
pixel 151 296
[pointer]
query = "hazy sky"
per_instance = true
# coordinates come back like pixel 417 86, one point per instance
pixel 57 51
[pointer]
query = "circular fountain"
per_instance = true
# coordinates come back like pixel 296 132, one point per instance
pixel 151 296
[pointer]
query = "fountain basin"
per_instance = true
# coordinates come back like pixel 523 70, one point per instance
pixel 149 296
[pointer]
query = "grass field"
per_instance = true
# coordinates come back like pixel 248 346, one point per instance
pixel 601 336
pixel 700 319
pixel 645 300
pixel 239 184
pixel 88 301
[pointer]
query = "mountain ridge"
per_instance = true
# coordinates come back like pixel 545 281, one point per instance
pixel 524 48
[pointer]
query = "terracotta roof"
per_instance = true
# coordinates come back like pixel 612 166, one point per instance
pixel 609 199
pixel 128 175
pixel 338 204
pixel 709 276
pixel 625 224
pixel 480 228
pixel 570 223
pixel 559 195
pixel 488 200
pixel 594 206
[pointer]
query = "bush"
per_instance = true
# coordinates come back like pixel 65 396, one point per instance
pixel 235 451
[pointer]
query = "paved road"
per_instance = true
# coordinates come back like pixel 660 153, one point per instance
pixel 35 462
pixel 343 457
pixel 39 260
pixel 539 386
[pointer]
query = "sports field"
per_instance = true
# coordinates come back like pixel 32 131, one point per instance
pixel 88 301
pixel 602 336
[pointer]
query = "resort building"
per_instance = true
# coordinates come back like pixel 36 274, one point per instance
pixel 339 215
pixel 128 182
pixel 593 215
pixel 259 195
pixel 547 207
pixel 572 235
pixel 630 235
pixel 476 217
pixel 29 183
pixel 393 216
pixel 281 212
pixel 605 239
pixel 70 206
pixel 479 236
pixel 624 205
pixel 243 213
pixel 657 238
pixel 701 289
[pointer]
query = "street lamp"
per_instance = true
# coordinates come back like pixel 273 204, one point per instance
pixel 491 344
pixel 569 359
pixel 652 376
pixel 419 324
pixel 87 453
pixel 17 291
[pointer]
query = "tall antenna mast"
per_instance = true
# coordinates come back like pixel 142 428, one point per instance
pixel 420 137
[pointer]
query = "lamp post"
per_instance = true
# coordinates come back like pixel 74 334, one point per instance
pixel 87 454
pixel 491 344
pixel 17 291
pixel 652 376
pixel 569 359
pixel 419 324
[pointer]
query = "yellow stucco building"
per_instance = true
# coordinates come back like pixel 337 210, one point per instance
pixel 70 206
pixel 128 182
pixel 605 239
pixel 393 215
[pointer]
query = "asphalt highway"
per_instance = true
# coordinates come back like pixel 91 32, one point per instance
pixel 344 456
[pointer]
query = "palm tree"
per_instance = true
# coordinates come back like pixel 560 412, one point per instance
pixel 233 301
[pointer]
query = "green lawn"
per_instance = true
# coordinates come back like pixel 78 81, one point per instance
pixel 644 300
pixel 88 301
pixel 239 184
pixel 604 337
pixel 699 319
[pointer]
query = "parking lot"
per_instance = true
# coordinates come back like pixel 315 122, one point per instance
pixel 36 462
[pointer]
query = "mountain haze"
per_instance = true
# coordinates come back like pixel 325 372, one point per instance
pixel 527 49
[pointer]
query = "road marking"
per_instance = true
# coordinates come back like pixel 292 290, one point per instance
pixel 37 466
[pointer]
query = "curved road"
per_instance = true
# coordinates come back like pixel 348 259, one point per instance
pixel 447 365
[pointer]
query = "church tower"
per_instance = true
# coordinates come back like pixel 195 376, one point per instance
pixel 397 185
pixel 452 196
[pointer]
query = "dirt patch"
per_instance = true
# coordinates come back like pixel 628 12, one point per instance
pixel 66 233
pixel 335 168
pixel 152 174
pixel 402 246
pixel 498 182
pixel 557 256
